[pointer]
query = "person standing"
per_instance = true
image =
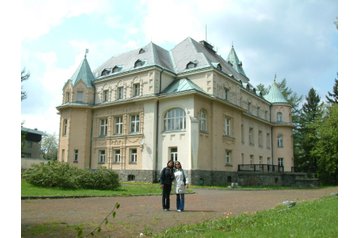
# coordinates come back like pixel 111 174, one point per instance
pixel 166 179
pixel 180 185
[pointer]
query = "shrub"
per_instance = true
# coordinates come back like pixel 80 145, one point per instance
pixel 63 175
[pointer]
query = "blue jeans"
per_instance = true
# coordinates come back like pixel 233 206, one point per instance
pixel 180 201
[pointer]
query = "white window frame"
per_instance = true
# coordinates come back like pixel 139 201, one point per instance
pixel 228 157
pixel 280 141
pixel 105 95
pixel 173 153
pixel 117 156
pixel 101 156
pixel 120 91
pixel 136 89
pixel 133 156
pixel 279 116
pixel 135 123
pixel 227 126
pixel 103 127
pixel 251 136
pixel 118 125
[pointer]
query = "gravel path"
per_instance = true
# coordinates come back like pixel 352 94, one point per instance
pixel 143 214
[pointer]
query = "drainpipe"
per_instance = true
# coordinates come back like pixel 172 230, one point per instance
pixel 157 129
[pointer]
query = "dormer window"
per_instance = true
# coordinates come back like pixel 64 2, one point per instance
pixel 219 67
pixel 191 65
pixel 141 51
pixel 116 69
pixel 138 63
pixel 230 63
pixel 105 72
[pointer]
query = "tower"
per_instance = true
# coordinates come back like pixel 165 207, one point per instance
pixel 281 119
pixel 76 117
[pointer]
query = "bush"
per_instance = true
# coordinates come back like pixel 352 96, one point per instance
pixel 63 175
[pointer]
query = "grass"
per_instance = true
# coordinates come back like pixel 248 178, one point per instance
pixel 317 218
pixel 127 189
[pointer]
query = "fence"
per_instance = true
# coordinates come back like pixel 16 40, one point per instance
pixel 268 168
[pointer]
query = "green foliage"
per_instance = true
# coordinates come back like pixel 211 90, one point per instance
pixel 63 175
pixel 326 148
pixel 308 219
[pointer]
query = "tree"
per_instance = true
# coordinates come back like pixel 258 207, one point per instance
pixel 24 76
pixel 326 148
pixel 333 97
pixel 306 138
pixel 49 147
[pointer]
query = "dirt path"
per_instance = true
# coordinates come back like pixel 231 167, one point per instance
pixel 144 214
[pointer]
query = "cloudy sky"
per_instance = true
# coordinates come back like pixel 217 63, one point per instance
pixel 296 40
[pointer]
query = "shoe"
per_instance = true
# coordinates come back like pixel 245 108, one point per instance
pixel 178 210
pixel 165 210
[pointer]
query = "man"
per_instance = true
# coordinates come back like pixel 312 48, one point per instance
pixel 166 179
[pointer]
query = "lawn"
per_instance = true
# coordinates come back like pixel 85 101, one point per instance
pixel 127 189
pixel 317 218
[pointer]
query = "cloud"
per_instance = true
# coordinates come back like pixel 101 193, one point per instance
pixel 40 16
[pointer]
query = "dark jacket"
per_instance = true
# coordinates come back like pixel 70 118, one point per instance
pixel 167 176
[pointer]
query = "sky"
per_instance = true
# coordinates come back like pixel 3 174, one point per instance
pixel 293 39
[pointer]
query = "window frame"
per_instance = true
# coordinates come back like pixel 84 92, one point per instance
pixel 175 119
pixel 133 156
pixel 118 125
pixel 280 141
pixel 103 127
pixel 227 126
pixel 203 120
pixel 136 90
pixel 101 156
pixel 134 124
pixel 117 157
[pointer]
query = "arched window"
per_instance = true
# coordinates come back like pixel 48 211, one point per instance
pixel 279 116
pixel 174 119
pixel 203 120
pixel 138 63
pixel 191 65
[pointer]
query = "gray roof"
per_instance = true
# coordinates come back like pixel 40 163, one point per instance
pixel 182 85
pixel 202 55
pixel 33 131
pixel 83 73
pixel 275 95
pixel 235 62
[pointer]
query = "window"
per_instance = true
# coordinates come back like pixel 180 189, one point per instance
pixel 105 72
pixel 219 67
pixel 133 156
pixel 251 136
pixel 136 89
pixel 268 160
pixel 75 159
pixel 101 156
pixel 174 120
pixel 268 141
pixel 116 69
pixel 79 96
pixel 173 153
pixel 252 160
pixel 203 120
pixel 280 162
pixel 249 107
pixel 280 141
pixel 117 156
pixel 242 134
pixel 191 65
pixel 118 125
pixel 266 115
pixel 228 157
pixel 138 63
pixel 120 93
pixel 64 127
pixel 258 111
pixel 131 177
pixel 260 138
pixel 227 126
pixel 226 93
pixel 260 159
pixel 141 51
pixel 105 95
pixel 134 124
pixel 103 127
pixel 279 117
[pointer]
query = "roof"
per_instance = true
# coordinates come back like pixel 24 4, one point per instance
pixel 275 95
pixel 200 54
pixel 83 73
pixel 33 131
pixel 182 85
pixel 234 60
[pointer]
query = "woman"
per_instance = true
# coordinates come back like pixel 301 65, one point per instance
pixel 166 179
pixel 180 184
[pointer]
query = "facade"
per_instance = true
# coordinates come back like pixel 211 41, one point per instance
pixel 31 147
pixel 144 107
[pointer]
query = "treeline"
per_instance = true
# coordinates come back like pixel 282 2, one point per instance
pixel 315 132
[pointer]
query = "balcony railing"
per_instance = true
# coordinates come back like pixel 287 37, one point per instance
pixel 266 168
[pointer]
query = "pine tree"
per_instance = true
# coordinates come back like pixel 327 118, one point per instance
pixel 333 97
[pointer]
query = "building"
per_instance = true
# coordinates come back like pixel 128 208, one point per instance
pixel 149 105
pixel 30 147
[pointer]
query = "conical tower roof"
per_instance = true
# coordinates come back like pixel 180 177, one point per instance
pixel 83 73
pixel 275 95
pixel 235 62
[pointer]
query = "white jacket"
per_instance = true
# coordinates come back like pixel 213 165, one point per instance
pixel 179 181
